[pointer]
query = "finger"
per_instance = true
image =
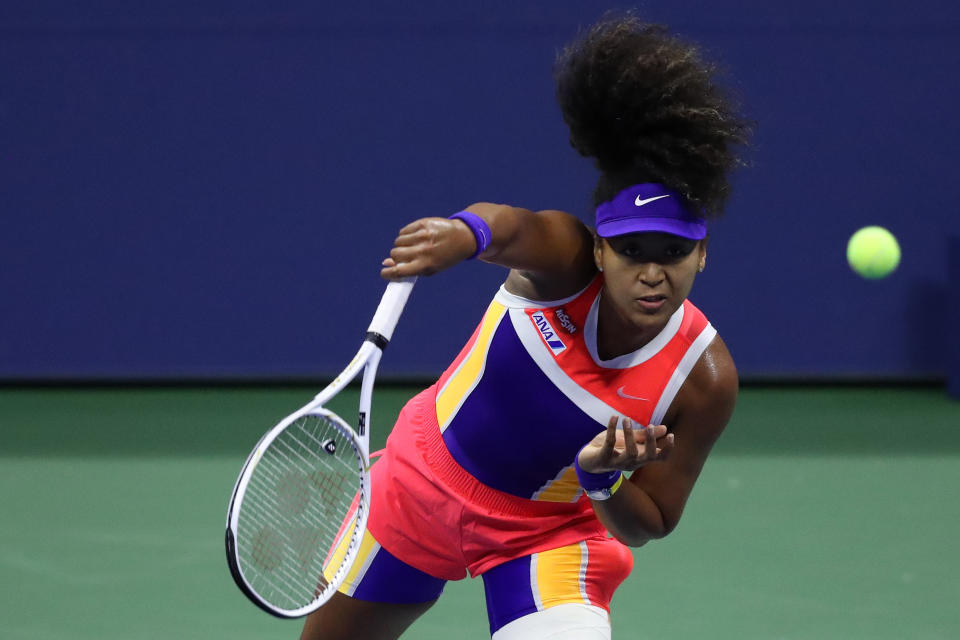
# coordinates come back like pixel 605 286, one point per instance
pixel 667 443
pixel 413 262
pixel 404 254
pixel 412 227
pixel 389 262
pixel 392 273
pixel 659 430
pixel 611 440
pixel 404 270
pixel 649 443
pixel 410 238
pixel 630 448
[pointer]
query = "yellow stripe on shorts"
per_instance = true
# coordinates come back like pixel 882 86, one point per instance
pixel 340 552
pixel 368 550
pixel 558 576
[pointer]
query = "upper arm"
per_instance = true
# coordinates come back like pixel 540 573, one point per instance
pixel 549 253
pixel 697 417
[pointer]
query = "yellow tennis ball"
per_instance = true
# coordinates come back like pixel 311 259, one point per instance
pixel 873 252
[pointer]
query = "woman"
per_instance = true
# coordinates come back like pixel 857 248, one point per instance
pixel 589 362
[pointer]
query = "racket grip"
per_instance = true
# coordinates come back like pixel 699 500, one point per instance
pixel 391 306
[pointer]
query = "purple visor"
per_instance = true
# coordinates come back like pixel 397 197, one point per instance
pixel 648 207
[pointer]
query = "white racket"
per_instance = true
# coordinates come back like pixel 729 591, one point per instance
pixel 301 503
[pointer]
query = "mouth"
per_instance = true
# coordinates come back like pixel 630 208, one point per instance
pixel 652 302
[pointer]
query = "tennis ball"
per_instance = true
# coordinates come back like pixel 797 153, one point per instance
pixel 873 252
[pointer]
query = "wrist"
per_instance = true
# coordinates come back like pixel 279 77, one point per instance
pixel 478 227
pixel 598 486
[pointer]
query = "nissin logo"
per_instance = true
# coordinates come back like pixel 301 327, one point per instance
pixel 565 321
pixel 549 334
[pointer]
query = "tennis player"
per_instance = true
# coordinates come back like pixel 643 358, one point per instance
pixel 575 421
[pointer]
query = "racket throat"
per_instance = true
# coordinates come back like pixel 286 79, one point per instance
pixel 380 340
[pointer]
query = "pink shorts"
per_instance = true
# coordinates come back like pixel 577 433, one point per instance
pixel 587 572
pixel 430 513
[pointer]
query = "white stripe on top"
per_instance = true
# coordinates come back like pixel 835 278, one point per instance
pixel 680 374
pixel 514 301
pixel 541 354
pixel 639 356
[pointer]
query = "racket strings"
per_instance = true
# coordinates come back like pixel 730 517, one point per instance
pixel 295 536
pixel 297 541
pixel 298 519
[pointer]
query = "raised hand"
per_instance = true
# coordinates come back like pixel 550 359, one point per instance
pixel 627 449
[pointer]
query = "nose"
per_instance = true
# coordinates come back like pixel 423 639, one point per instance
pixel 651 274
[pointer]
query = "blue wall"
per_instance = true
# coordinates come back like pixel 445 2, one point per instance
pixel 208 191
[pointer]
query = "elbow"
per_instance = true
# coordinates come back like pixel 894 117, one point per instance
pixel 642 535
pixel 668 525
pixel 638 538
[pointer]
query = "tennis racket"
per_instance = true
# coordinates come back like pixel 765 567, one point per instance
pixel 300 506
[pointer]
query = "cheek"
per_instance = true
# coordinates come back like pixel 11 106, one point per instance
pixel 683 280
pixel 620 284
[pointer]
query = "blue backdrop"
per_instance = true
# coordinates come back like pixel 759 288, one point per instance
pixel 193 191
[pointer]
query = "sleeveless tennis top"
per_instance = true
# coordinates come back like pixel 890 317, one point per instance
pixel 529 390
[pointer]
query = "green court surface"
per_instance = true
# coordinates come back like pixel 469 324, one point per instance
pixel 823 513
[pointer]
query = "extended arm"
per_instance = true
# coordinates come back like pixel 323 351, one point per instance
pixel 650 504
pixel 550 253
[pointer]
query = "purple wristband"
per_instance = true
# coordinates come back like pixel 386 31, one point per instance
pixel 480 229
pixel 595 481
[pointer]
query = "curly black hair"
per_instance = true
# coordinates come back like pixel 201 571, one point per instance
pixel 644 104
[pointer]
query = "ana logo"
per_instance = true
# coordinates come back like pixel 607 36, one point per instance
pixel 547 331
pixel 565 321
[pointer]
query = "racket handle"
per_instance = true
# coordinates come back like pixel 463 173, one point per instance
pixel 391 306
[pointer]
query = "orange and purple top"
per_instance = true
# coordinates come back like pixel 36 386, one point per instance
pixel 529 389
pixel 478 469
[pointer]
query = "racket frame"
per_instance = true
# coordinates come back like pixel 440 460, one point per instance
pixel 366 361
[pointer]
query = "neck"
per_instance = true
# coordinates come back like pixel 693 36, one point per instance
pixel 617 335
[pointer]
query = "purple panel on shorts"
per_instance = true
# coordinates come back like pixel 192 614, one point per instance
pixel 513 410
pixel 391 580
pixel 508 591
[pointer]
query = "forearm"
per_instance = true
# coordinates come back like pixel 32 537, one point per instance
pixel 547 241
pixel 552 251
pixel 506 224
pixel 631 516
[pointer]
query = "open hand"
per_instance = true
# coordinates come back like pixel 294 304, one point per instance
pixel 627 449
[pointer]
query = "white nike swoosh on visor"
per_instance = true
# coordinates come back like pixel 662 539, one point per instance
pixel 621 393
pixel 640 202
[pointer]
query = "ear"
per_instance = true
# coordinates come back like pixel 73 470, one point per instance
pixel 598 251
pixel 702 249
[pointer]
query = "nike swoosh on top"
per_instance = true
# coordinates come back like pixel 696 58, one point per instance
pixel 622 394
pixel 640 202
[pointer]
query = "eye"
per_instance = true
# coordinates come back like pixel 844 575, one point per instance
pixel 676 251
pixel 679 250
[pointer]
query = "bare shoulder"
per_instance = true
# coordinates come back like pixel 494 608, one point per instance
pixel 558 260
pixel 708 396
pixel 698 415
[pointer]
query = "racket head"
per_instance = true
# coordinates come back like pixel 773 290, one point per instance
pixel 298 513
